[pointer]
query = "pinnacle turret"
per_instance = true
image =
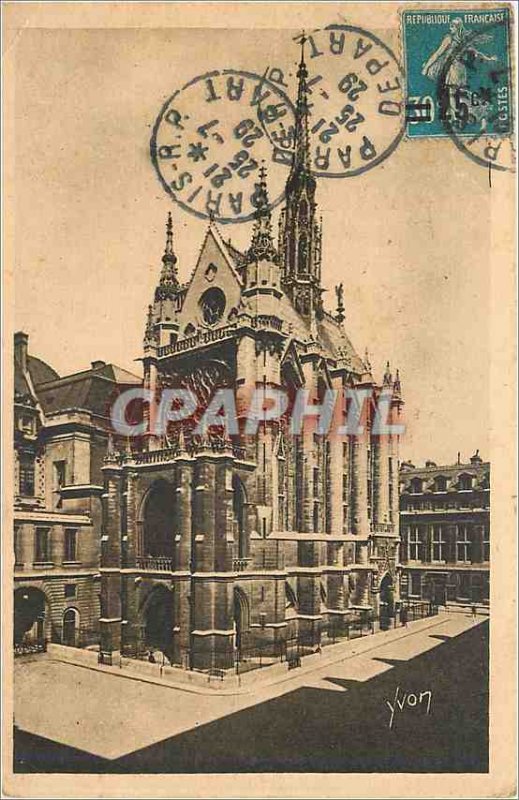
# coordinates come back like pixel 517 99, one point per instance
pixel 168 284
pixel 262 243
pixel 339 292
pixel 388 378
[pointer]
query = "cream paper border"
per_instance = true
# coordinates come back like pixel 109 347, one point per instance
pixel 500 782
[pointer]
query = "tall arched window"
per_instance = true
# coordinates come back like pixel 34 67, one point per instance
pixel 302 253
pixel 159 520
pixel 282 486
pixel 299 483
pixel 70 627
pixel 239 499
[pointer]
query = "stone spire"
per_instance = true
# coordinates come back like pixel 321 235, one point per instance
pixel 262 243
pixel 300 240
pixel 168 285
pixel 302 140
pixel 149 332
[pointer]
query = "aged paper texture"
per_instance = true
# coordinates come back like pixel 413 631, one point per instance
pixel 259 374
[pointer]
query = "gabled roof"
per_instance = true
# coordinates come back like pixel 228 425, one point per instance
pixel 214 253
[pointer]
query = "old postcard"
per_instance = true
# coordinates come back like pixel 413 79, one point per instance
pixel 259 369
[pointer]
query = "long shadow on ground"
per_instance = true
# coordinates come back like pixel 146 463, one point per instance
pixel 316 730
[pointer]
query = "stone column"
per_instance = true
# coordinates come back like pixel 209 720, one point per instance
pixel 337 466
pixel 380 453
pixel 394 452
pixel 476 554
pixel 57 544
pixel 110 623
pixel 131 499
pixel 150 413
pixel 211 588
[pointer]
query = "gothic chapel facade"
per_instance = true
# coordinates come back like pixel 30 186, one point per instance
pixel 213 545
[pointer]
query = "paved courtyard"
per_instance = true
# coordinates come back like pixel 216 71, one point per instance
pixel 337 717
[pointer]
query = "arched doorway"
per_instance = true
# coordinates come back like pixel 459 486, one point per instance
pixel 70 627
pixel 239 499
pixel 158 621
pixel 158 520
pixel 241 620
pixel 387 601
pixel 29 615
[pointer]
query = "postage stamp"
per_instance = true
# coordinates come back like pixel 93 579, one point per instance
pixel 458 72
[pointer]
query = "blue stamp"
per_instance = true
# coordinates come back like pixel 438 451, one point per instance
pixel 458 72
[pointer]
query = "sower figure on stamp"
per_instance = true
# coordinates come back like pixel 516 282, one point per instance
pixel 455 52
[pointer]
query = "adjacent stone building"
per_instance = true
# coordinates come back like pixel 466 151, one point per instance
pixel 445 530
pixel 214 546
pixel 60 440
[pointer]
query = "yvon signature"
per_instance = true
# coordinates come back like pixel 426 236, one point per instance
pixel 408 700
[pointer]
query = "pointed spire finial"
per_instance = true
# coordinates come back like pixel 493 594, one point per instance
pixel 397 387
pixel 149 332
pixel 168 284
pixel 387 375
pixel 339 292
pixel 111 453
pixel 262 244
pixel 169 255
pixel 367 362
pixel 302 139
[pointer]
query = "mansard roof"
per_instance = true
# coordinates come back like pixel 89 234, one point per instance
pixel 479 470
pixel 40 371
pixel 90 390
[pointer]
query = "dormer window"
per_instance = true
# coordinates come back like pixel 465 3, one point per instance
pixel 416 486
pixel 465 482
pixel 440 484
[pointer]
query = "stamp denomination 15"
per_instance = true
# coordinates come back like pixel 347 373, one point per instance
pixel 211 137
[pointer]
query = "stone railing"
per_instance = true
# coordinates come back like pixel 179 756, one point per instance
pixel 383 527
pixel 167 454
pixel 155 456
pixel 241 564
pixel 267 321
pixel 200 338
pixel 155 563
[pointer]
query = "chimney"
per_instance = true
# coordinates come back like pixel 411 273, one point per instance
pixel 459 458
pixel 21 343
pixel 98 364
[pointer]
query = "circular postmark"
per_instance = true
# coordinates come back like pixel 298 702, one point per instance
pixel 355 100
pixel 211 137
pixel 475 98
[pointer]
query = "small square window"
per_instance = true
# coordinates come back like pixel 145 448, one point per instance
pixel 70 590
